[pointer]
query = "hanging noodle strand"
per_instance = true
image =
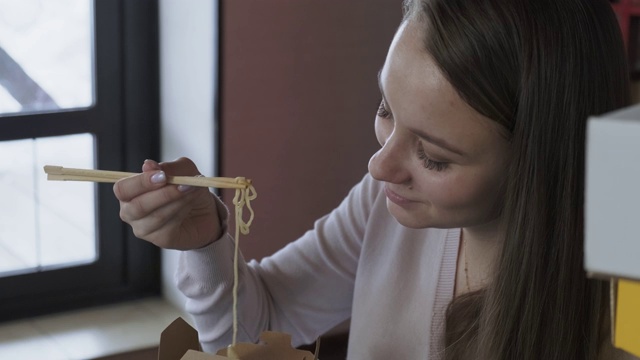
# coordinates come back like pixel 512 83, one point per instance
pixel 242 199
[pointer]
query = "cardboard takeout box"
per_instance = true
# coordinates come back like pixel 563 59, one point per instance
pixel 612 244
pixel 179 341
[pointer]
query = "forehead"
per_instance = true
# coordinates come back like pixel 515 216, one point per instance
pixel 421 97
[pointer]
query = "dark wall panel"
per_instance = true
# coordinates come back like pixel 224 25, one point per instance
pixel 298 99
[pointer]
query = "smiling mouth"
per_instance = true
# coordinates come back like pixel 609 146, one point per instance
pixel 395 198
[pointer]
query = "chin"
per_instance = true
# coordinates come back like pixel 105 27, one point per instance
pixel 409 219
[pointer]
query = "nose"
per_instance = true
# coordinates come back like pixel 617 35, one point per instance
pixel 389 164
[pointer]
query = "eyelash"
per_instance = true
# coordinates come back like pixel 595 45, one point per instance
pixel 428 163
pixel 382 110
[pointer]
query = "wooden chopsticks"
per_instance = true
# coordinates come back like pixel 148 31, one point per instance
pixel 69 174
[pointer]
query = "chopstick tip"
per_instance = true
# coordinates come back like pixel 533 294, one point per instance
pixel 52 169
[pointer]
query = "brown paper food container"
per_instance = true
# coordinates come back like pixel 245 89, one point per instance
pixel 179 341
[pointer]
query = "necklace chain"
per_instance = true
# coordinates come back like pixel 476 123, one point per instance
pixel 466 264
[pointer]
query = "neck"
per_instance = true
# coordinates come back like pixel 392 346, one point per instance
pixel 482 245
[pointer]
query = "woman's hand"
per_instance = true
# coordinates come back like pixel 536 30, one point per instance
pixel 169 216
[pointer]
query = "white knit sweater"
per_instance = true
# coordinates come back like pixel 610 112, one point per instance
pixel 358 262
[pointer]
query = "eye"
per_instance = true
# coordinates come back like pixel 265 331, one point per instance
pixel 429 163
pixel 382 110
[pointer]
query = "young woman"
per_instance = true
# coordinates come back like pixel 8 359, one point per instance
pixel 465 240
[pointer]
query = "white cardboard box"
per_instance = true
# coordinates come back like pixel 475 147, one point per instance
pixel 612 199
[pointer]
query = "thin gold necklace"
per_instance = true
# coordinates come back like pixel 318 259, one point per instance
pixel 466 265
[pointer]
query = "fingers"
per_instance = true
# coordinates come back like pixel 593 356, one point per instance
pixel 129 188
pixel 169 216
pixel 144 204
pixel 182 166
pixel 153 176
pixel 150 165
pixel 149 213
pixel 178 221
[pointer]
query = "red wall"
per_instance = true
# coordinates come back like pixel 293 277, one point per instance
pixel 298 98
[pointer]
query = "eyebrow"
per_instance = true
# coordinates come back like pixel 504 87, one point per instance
pixel 421 134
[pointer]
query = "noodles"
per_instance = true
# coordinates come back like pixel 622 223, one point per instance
pixel 242 198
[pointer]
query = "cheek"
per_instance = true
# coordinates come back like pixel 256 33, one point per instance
pixel 463 192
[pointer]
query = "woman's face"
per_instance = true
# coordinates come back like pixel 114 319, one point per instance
pixel 441 161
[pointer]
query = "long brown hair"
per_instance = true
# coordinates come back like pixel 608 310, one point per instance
pixel 539 68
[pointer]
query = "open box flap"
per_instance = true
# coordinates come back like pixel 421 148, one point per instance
pixel 198 355
pixel 177 339
pixel 273 346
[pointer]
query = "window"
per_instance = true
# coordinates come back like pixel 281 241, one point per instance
pixel 46 57
pixel 78 88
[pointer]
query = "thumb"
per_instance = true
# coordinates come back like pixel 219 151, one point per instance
pixel 150 165
pixel 180 167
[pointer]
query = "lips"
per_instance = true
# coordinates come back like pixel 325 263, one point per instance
pixel 395 198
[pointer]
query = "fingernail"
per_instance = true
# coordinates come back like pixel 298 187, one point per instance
pixel 158 177
pixel 184 188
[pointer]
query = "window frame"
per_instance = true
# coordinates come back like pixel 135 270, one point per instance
pixel 125 123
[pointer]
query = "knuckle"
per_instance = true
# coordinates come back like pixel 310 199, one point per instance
pixel 123 213
pixel 117 190
pixel 137 209
pixel 186 161
pixel 126 212
pixel 138 232
pixel 143 230
pixel 167 196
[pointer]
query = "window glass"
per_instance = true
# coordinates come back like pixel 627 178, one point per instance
pixel 46 55
pixel 64 240
pixel 45 224
pixel 46 65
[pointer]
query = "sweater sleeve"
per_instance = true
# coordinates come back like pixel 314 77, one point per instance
pixel 305 289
